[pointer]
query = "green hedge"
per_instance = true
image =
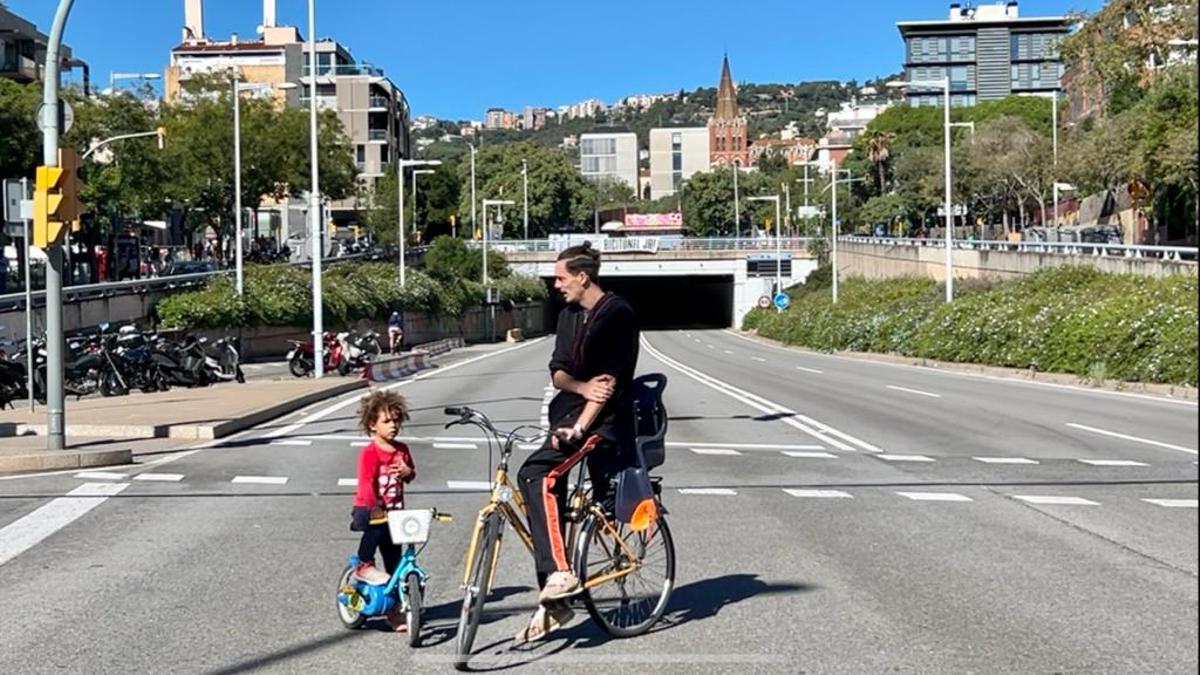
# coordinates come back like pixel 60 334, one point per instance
pixel 280 295
pixel 1067 319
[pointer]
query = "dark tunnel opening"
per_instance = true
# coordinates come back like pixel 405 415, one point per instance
pixel 667 303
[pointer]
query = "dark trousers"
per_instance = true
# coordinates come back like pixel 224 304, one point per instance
pixel 377 538
pixel 543 480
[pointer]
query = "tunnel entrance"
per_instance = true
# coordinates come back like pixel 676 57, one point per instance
pixel 665 303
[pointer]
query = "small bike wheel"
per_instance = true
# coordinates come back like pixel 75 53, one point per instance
pixel 350 617
pixel 413 593
pixel 477 590
pixel 631 604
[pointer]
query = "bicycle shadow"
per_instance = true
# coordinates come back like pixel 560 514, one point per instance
pixel 441 621
pixel 692 602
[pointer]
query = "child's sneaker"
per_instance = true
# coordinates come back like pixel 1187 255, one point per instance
pixel 368 573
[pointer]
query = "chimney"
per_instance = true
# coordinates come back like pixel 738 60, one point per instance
pixel 955 10
pixel 1010 10
pixel 268 14
pixel 193 20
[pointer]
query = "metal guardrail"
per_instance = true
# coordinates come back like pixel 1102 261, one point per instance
pixel 108 289
pixel 1075 248
pixel 646 244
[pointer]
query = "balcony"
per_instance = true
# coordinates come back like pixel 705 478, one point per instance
pixel 326 70
pixel 377 134
pixel 20 68
pixel 323 102
pixel 379 102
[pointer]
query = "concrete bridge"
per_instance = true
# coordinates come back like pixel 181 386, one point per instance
pixel 677 281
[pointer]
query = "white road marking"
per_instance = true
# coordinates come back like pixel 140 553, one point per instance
pixel 758 358
pixel 710 346
pixel 1173 503
pixel 1127 437
pixel 100 475
pixel 918 392
pixel 292 441
pixel 810 370
pixel 455 446
pixel 943 371
pixel 818 430
pixel 261 480
pixel 906 458
pixel 26 532
pixel 160 477
pixel 529 446
pixel 353 398
pixel 810 455
pixel 819 494
pixel 935 496
pixel 728 351
pixel 1005 460
pixel 1061 501
pixel 544 413
pixel 720 492
pixel 714 451
pixel 744 446
pixel 479 485
pixel 1111 462
pixel 347 482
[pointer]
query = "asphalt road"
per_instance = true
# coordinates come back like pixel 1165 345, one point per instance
pixel 830 516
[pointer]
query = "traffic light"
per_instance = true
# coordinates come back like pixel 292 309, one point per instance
pixel 56 199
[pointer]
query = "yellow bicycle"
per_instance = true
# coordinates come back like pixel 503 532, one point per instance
pixel 627 570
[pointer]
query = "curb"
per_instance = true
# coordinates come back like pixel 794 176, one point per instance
pixel 1174 391
pixel 188 431
pixel 63 459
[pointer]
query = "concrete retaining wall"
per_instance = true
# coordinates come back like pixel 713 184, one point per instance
pixel 881 261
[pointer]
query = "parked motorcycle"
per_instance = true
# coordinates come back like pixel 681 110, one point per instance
pixel 358 349
pixel 300 358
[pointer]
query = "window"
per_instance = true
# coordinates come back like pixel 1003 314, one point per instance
pixel 676 141
pixel 958 78
pixel 383 154
pixel 676 161
pixel 1015 41
pixel 360 153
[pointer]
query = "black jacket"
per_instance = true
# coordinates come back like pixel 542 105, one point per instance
pixel 603 341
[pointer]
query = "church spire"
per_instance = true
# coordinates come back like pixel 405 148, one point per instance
pixel 727 107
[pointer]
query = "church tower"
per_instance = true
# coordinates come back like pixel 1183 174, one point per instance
pixel 728 136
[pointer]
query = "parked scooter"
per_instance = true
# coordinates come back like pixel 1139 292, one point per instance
pixel 300 358
pixel 358 349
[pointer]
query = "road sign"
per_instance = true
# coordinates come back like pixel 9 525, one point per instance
pixel 66 117
pixel 764 302
pixel 782 301
pixel 13 195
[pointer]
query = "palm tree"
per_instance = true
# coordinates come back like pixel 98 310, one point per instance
pixel 878 150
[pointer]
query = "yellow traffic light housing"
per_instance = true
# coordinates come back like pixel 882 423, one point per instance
pixel 56 200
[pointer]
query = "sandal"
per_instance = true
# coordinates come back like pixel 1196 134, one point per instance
pixel 545 620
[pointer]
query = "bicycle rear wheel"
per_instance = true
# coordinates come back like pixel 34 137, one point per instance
pixel 477 589
pixel 631 604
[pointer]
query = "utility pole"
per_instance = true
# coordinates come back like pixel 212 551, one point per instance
pixel 314 200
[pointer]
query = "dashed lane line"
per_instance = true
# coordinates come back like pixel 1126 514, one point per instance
pixel 917 392
pixel 819 494
pixel 1127 437
pixel 260 480
pixel 935 496
pixel 160 477
pixel 718 492
pixel 1051 500
pixel 809 455
pixel 715 451
pixel 906 458
pixel 1111 462
pixel 1005 460
pixel 1173 503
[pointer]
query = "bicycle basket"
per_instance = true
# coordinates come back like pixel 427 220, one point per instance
pixel 409 526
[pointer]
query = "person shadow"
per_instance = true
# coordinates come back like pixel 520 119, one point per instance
pixel 689 603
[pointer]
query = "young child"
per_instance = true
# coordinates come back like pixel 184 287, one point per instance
pixel 384 466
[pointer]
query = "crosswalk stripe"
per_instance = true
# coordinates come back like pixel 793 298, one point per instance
pixel 480 485
pixel 1053 500
pixel 100 475
pixel 1111 462
pixel 160 477
pixel 819 494
pixel 810 455
pixel 935 496
pixel 455 446
pixel 906 458
pixel 347 482
pixel 715 451
pixel 291 441
pixel 1005 460
pixel 722 492
pixel 261 480
pixel 1173 503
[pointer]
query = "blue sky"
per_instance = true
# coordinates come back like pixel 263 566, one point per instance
pixel 456 59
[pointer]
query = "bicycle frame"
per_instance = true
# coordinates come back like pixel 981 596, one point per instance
pixel 395 585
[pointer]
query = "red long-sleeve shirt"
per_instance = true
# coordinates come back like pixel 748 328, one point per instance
pixel 377 487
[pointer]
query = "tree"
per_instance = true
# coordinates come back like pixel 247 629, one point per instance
pixel 878 150
pixel 449 259
pixel 20 140
pixel 707 199
pixel 558 195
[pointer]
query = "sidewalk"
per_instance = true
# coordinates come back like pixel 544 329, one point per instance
pixel 101 430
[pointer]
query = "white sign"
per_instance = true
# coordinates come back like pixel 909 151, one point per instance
pixel 808 211
pixel 66 117
pixel 13 195
pixel 959 210
pixel 764 302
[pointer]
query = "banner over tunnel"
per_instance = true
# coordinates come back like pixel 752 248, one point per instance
pixel 670 302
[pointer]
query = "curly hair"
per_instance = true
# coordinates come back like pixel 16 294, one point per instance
pixel 379 401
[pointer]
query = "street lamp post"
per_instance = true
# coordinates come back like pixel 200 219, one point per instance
pixel 525 187
pixel 778 242
pixel 314 199
pixel 737 212
pixel 833 183
pixel 944 85
pixel 806 180
pixel 473 201
pixel 400 166
pixel 486 203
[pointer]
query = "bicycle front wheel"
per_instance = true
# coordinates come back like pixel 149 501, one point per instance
pixel 632 603
pixel 486 550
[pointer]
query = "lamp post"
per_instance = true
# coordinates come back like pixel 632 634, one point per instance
pixel 400 166
pixel 737 211
pixel 833 183
pixel 238 88
pixel 778 243
pixel 486 204
pixel 806 180
pixel 944 85
pixel 473 200
pixel 314 199
pixel 525 187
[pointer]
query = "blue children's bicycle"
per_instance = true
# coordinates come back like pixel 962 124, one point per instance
pixel 358 601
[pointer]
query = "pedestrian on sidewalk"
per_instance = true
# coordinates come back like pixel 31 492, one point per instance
pixel 384 467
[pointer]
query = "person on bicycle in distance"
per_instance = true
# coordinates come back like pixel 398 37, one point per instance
pixel 595 356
